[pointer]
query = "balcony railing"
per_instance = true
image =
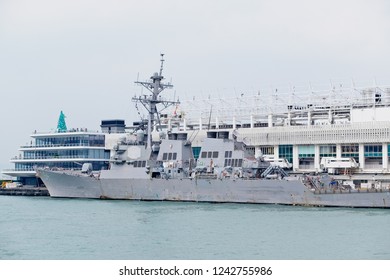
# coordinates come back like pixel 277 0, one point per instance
pixel 32 169
pixel 18 169
pixel 72 130
pixel 80 157
pixel 101 145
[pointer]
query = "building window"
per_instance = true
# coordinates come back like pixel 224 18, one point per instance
pixel 350 151
pixel 306 151
pixel 286 151
pixel 267 150
pixel 373 150
pixel 328 151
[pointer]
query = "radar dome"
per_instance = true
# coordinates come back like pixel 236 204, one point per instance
pixel 140 135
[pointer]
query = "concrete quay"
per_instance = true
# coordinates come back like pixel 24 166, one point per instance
pixel 25 191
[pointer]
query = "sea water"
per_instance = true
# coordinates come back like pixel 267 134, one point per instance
pixel 45 228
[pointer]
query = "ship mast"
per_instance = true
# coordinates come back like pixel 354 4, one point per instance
pixel 155 86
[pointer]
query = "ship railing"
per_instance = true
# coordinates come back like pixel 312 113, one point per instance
pixel 338 186
pixel 206 176
pixel 249 178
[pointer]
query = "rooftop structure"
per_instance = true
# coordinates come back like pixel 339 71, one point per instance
pixel 301 126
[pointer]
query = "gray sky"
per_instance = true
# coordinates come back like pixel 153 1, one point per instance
pixel 82 56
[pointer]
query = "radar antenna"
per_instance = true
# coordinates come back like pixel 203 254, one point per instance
pixel 162 63
pixel 155 86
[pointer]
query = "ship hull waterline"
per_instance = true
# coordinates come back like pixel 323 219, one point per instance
pixel 287 192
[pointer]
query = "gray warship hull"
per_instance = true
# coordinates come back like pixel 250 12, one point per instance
pixel 288 192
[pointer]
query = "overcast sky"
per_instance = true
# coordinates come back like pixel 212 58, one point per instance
pixel 82 56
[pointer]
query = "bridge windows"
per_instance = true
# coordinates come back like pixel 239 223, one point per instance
pixel 210 154
pixel 169 156
pixel 228 154
pixel 139 163
pixel 233 162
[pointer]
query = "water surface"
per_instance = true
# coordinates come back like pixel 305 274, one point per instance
pixel 51 228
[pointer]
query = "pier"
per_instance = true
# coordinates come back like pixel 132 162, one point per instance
pixel 25 191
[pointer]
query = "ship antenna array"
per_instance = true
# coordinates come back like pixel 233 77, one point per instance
pixel 209 124
pixel 162 63
pixel 155 86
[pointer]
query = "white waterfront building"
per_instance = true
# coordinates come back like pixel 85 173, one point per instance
pixel 300 126
pixel 65 149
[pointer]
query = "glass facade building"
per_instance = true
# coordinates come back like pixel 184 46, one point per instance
pixel 62 150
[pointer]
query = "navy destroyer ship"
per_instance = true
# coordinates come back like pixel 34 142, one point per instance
pixel 226 169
